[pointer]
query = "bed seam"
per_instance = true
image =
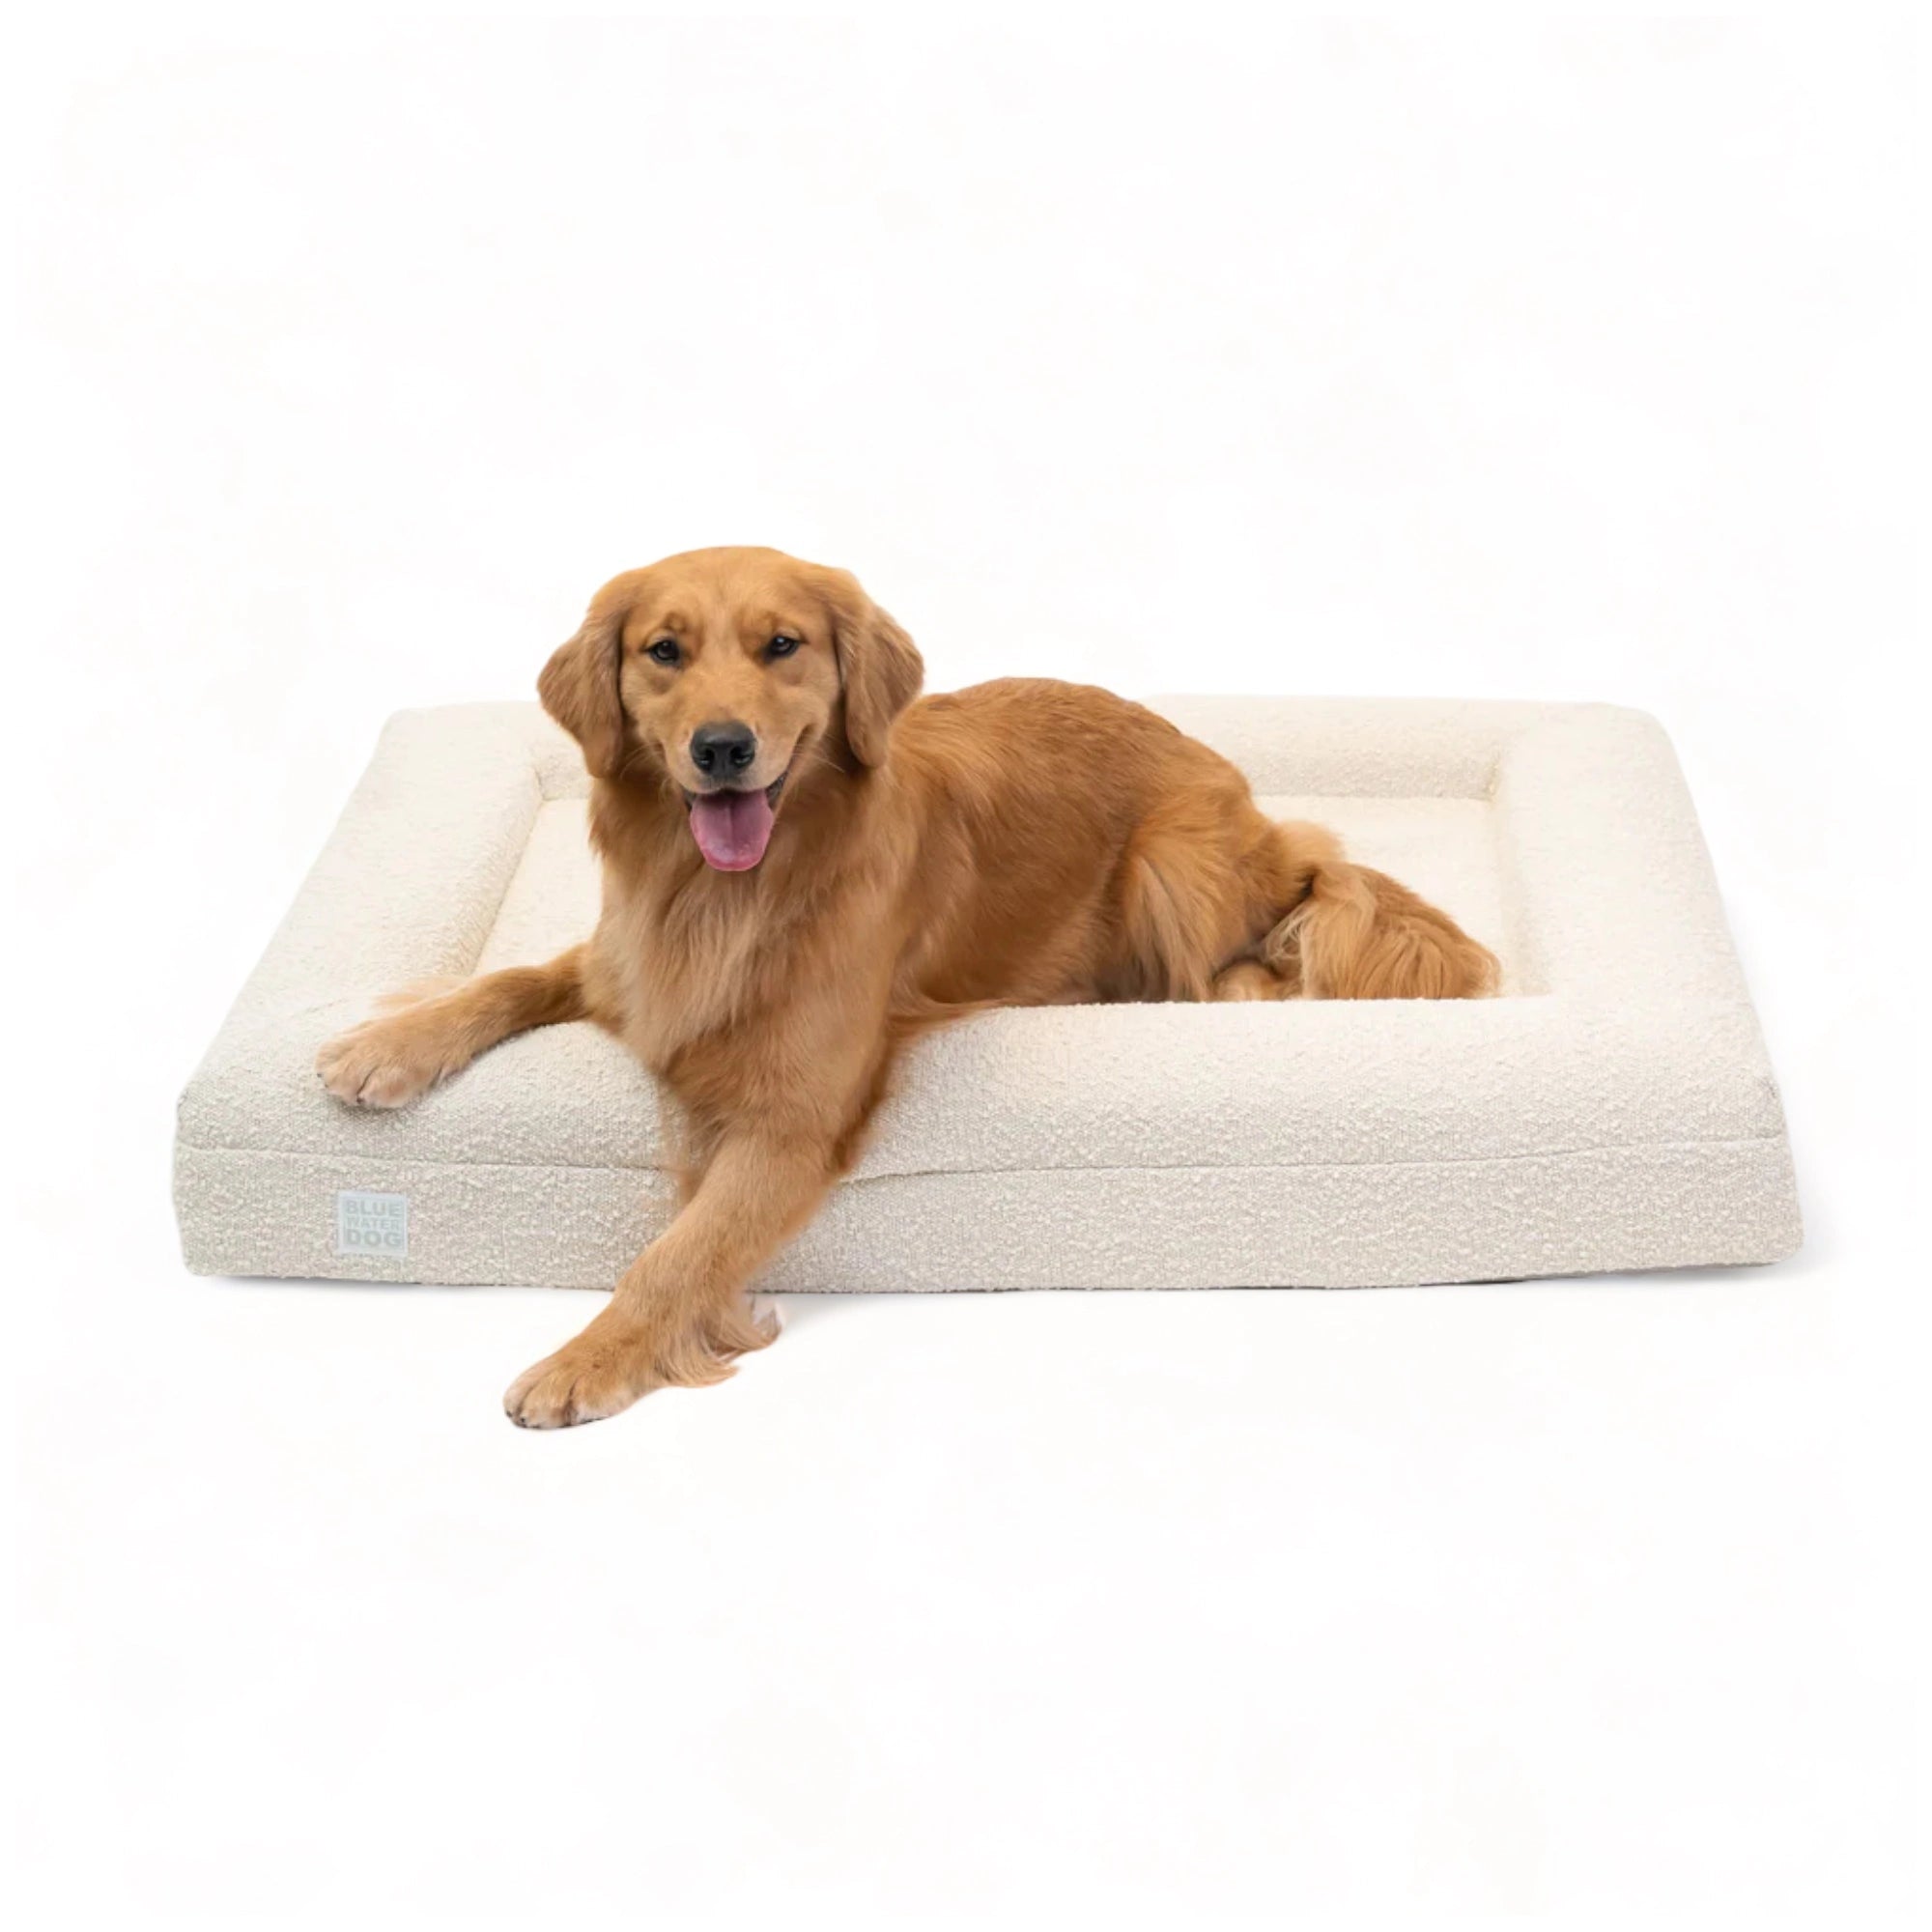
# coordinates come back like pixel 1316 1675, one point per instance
pixel 924 1173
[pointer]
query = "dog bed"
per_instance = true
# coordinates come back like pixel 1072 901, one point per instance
pixel 1611 1109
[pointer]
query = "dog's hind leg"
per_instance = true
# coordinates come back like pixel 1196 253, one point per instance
pixel 401 1054
pixel 1358 934
pixel 1250 979
pixel 1185 903
pixel 1334 930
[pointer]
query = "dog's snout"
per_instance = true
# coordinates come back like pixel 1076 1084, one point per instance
pixel 721 751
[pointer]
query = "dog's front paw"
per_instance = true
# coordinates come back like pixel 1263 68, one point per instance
pixel 385 1062
pixel 583 1382
pixel 622 1355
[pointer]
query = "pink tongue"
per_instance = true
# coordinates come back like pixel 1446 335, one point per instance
pixel 732 828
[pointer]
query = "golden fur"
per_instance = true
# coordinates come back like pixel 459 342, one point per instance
pixel 1021 843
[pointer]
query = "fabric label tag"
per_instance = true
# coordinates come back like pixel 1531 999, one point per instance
pixel 371 1223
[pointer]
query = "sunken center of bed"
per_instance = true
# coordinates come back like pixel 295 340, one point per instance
pixel 1444 848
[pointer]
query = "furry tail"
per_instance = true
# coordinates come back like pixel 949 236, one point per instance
pixel 1358 934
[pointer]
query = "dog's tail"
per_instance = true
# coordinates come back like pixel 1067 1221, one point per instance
pixel 1358 934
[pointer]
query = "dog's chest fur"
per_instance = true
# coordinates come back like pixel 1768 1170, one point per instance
pixel 692 957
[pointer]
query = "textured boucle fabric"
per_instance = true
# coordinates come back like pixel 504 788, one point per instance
pixel 1613 1109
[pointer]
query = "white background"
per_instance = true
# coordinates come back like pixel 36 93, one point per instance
pixel 1536 362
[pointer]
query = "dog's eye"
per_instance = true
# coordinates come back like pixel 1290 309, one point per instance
pixel 665 650
pixel 783 646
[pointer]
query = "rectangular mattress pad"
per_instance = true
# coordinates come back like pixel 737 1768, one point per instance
pixel 1612 1109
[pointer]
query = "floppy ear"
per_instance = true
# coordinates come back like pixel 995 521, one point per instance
pixel 578 689
pixel 879 665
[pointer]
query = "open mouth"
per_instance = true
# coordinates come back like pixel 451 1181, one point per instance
pixel 734 828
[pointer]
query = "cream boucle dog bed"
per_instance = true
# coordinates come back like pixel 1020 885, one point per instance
pixel 1612 1110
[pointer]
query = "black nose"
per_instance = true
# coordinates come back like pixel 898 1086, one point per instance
pixel 724 748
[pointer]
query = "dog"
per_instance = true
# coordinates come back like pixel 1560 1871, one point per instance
pixel 807 864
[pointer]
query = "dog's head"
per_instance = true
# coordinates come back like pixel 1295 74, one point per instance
pixel 734 674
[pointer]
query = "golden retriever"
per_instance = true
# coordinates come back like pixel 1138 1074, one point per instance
pixel 805 864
